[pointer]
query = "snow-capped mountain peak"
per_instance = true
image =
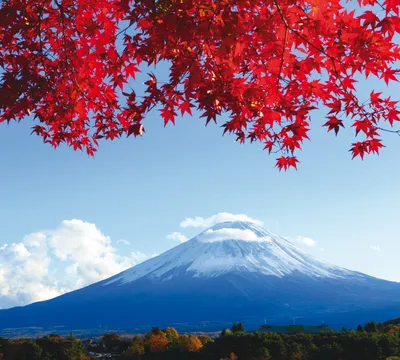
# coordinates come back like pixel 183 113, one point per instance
pixel 234 270
pixel 231 247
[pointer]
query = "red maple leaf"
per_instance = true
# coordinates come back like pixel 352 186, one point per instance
pixel 334 124
pixel 375 145
pixel 369 18
pixel 362 125
pixel 285 162
pixel 390 75
pixel 185 107
pixel 358 149
pixel 168 115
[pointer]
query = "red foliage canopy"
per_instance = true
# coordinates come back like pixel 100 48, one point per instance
pixel 266 63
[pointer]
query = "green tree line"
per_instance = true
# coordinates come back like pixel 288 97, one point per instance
pixel 369 342
pixel 50 347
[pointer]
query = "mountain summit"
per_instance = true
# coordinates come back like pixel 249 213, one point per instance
pixel 232 247
pixel 234 270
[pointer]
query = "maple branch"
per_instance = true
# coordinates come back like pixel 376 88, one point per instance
pixel 383 8
pixel 321 50
pixel 388 130
pixel 283 54
pixel 271 72
pixel 333 59
pixel 280 149
pixel 62 24
pixel 281 14
pixel 74 103
pixel 41 52
pixel 357 104
pixel 352 96
pixel 124 30
pixel 40 26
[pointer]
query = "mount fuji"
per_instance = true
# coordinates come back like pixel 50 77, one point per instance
pixel 232 271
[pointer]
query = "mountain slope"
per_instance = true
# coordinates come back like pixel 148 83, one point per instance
pixel 231 271
pixel 233 247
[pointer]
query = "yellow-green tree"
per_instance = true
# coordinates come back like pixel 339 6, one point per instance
pixel 136 348
pixel 172 334
pixel 205 339
pixel 225 332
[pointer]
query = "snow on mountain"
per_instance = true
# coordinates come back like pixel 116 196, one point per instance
pixel 232 247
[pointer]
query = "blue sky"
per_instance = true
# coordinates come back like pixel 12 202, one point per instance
pixel 139 190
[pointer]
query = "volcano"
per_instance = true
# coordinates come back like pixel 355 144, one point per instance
pixel 232 271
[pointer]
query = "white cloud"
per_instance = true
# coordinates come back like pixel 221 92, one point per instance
pixel 306 241
pixel 199 221
pixel 51 262
pixel 231 234
pixel 177 236
pixel 123 242
pixel 375 248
